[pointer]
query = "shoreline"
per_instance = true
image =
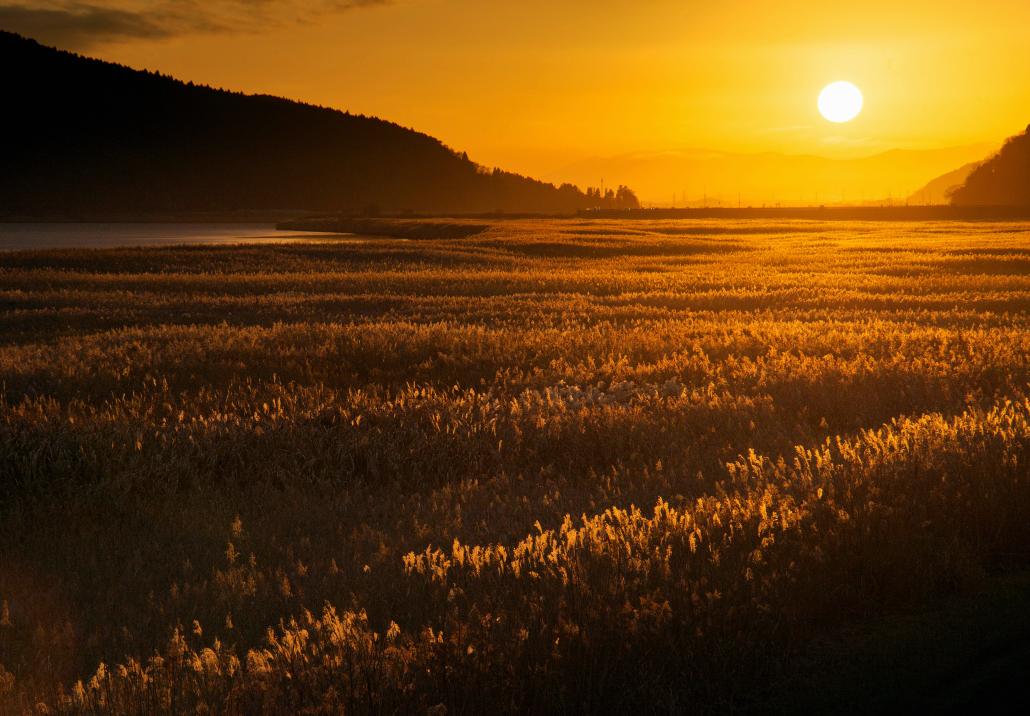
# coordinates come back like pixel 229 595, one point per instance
pixel 813 213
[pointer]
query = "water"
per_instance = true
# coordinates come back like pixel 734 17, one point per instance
pixel 98 235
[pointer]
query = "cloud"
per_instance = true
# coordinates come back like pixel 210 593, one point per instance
pixel 81 25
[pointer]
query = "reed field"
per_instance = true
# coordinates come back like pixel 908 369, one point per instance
pixel 552 467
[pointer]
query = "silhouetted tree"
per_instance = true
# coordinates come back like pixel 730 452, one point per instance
pixel 626 198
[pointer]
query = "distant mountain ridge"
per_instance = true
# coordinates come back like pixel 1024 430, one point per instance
pixel 90 138
pixel 691 177
pixel 1002 180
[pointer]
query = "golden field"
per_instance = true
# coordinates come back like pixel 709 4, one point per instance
pixel 559 466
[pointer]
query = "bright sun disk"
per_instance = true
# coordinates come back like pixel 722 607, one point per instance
pixel 840 102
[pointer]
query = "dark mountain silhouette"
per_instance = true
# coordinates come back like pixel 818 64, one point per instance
pixel 939 189
pixel 86 137
pixel 1002 180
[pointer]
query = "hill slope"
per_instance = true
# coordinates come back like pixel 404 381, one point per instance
pixel 1003 180
pixel 90 137
pixel 938 191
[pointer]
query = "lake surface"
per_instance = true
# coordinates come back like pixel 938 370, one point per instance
pixel 15 237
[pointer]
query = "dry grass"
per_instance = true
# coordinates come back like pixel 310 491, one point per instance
pixel 558 466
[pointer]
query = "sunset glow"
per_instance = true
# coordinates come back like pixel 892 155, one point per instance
pixel 536 86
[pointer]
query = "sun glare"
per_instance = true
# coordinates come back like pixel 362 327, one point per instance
pixel 840 102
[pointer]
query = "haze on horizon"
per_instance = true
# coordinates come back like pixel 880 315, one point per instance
pixel 539 87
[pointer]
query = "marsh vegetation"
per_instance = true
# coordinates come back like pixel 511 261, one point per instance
pixel 555 466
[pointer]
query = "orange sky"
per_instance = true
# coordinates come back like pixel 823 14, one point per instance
pixel 538 84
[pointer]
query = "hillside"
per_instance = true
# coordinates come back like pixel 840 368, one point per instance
pixel 1003 180
pixel 88 138
pixel 938 190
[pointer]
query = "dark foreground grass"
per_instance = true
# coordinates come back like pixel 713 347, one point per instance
pixel 968 653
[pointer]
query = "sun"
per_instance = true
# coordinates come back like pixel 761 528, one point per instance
pixel 840 102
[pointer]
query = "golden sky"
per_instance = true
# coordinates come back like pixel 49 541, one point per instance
pixel 538 84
